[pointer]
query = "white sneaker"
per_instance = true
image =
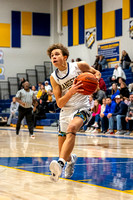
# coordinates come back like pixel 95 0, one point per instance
pixel 121 132
pixel 95 131
pixel 95 125
pixel 32 136
pixel 89 130
pixel 56 170
pixel 69 170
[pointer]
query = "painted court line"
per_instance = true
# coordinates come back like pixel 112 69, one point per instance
pixel 89 184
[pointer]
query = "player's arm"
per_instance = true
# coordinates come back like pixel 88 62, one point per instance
pixel 84 67
pixel 62 100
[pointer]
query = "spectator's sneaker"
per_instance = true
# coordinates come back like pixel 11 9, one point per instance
pixel 110 132
pixel 56 170
pixel 103 132
pixel 121 132
pixel 95 131
pixel 127 133
pixel 89 130
pixel 69 170
pixel 95 125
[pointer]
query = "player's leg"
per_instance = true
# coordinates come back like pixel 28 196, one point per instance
pixel 21 114
pixel 65 148
pixel 68 144
pixel 83 117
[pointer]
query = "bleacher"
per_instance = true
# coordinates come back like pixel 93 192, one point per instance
pixel 41 73
pixel 109 71
pixel 9 88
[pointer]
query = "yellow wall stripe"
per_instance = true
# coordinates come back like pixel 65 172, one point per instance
pixel 90 15
pixel 4 35
pixel 108 22
pixel 26 23
pixel 75 26
pixel 64 18
pixel 126 9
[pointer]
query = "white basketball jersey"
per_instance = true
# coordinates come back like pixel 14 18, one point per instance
pixel 65 80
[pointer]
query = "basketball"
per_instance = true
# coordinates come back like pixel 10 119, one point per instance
pixel 89 81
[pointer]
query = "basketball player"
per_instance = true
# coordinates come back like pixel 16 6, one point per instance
pixel 74 106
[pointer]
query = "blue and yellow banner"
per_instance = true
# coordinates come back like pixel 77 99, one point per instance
pixel 111 51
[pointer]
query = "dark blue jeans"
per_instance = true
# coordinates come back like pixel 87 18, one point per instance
pixel 104 123
pixel 97 119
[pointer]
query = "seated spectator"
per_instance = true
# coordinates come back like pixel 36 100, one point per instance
pixel 102 85
pixel 95 110
pixel 99 95
pixel 91 101
pixel 109 109
pixel 129 117
pixel 39 94
pixel 124 90
pixel 119 113
pixel 42 108
pixel 47 86
pixel 78 59
pixel 130 87
pixel 34 89
pixel 102 61
pixel 39 86
pixel 125 60
pixel 43 100
pixel 96 125
pixel 22 80
pixel 126 101
pixel 120 81
pixel 114 91
pixel 13 110
pixel 96 65
pixel 118 73
pixel 52 106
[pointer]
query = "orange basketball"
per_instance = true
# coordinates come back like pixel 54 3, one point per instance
pixel 89 81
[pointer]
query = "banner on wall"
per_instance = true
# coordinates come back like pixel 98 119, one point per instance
pixel 131 29
pixel 90 38
pixel 2 77
pixel 110 50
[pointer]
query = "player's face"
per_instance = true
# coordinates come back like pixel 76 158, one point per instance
pixel 57 58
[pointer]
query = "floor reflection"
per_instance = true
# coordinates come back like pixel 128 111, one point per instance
pixel 116 173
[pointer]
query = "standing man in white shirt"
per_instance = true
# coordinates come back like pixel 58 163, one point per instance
pixel 26 98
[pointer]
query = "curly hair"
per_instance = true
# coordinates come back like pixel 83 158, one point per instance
pixel 64 50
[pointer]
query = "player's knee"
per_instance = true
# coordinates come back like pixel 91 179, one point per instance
pixel 71 128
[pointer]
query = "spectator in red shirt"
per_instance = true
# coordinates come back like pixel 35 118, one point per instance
pixel 102 85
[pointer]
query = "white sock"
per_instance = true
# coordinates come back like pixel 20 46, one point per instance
pixel 62 162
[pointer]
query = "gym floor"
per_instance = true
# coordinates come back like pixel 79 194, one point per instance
pixel 104 168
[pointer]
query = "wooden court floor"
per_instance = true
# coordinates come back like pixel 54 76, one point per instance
pixel 104 168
